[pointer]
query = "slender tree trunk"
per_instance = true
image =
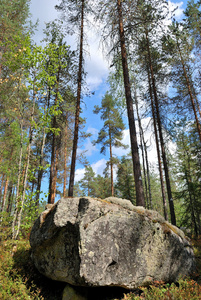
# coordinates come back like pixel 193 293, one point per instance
pixel 193 219
pixel 5 193
pixel 19 215
pixel 77 113
pixel 65 161
pixel 40 171
pixel 41 162
pixel 9 205
pixel 54 182
pixel 190 92
pixel 169 192
pixel 111 164
pixel 53 173
pixel 197 102
pixel 52 167
pixel 18 182
pixel 2 185
pixel 129 102
pixel 144 155
pixel 158 150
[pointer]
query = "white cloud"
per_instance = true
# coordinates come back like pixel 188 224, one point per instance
pixel 99 166
pixel 79 174
pixel 178 6
pixel 96 66
pixel 93 131
pixel 125 141
pixel 89 148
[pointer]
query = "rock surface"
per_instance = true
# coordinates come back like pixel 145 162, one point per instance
pixel 93 242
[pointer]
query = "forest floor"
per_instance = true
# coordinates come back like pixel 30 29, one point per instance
pixel 19 279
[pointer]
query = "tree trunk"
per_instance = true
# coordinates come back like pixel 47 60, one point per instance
pixel 5 194
pixel 190 92
pixel 53 173
pixel 77 113
pixel 144 155
pixel 54 182
pixel 40 171
pixel 19 215
pixel 111 163
pixel 65 161
pixel 52 167
pixel 9 205
pixel 18 182
pixel 129 102
pixel 2 184
pixel 169 192
pixel 158 150
pixel 193 219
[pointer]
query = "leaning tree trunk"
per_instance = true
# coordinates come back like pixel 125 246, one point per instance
pixel 77 113
pixel 190 92
pixel 129 102
pixel 169 192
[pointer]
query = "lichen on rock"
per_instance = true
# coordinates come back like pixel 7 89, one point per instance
pixel 93 242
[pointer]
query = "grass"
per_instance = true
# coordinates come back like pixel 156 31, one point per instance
pixel 19 279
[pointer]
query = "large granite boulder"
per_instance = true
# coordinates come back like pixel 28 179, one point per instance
pixel 94 242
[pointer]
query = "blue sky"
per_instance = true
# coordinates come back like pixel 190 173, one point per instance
pixel 97 68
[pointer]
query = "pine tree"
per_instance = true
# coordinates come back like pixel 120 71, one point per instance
pixel 125 186
pixel 75 13
pixel 112 132
pixel 87 183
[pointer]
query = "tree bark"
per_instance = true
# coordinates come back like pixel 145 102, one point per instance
pixel 111 163
pixel 9 205
pixel 129 102
pixel 169 192
pixel 2 184
pixel 77 113
pixel 65 160
pixel 54 182
pixel 144 155
pixel 158 150
pixel 18 181
pixel 5 194
pixel 19 214
pixel 53 167
pixel 190 91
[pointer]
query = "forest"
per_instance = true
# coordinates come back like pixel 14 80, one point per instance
pixel 153 89
pixel 154 75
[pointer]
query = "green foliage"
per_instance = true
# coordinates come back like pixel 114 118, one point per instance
pixel 112 132
pixel 18 277
pixel 182 290
pixel 125 187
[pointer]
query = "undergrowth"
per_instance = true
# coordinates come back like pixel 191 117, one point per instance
pixel 19 279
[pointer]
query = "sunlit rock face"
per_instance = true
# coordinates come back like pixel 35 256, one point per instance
pixel 94 242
